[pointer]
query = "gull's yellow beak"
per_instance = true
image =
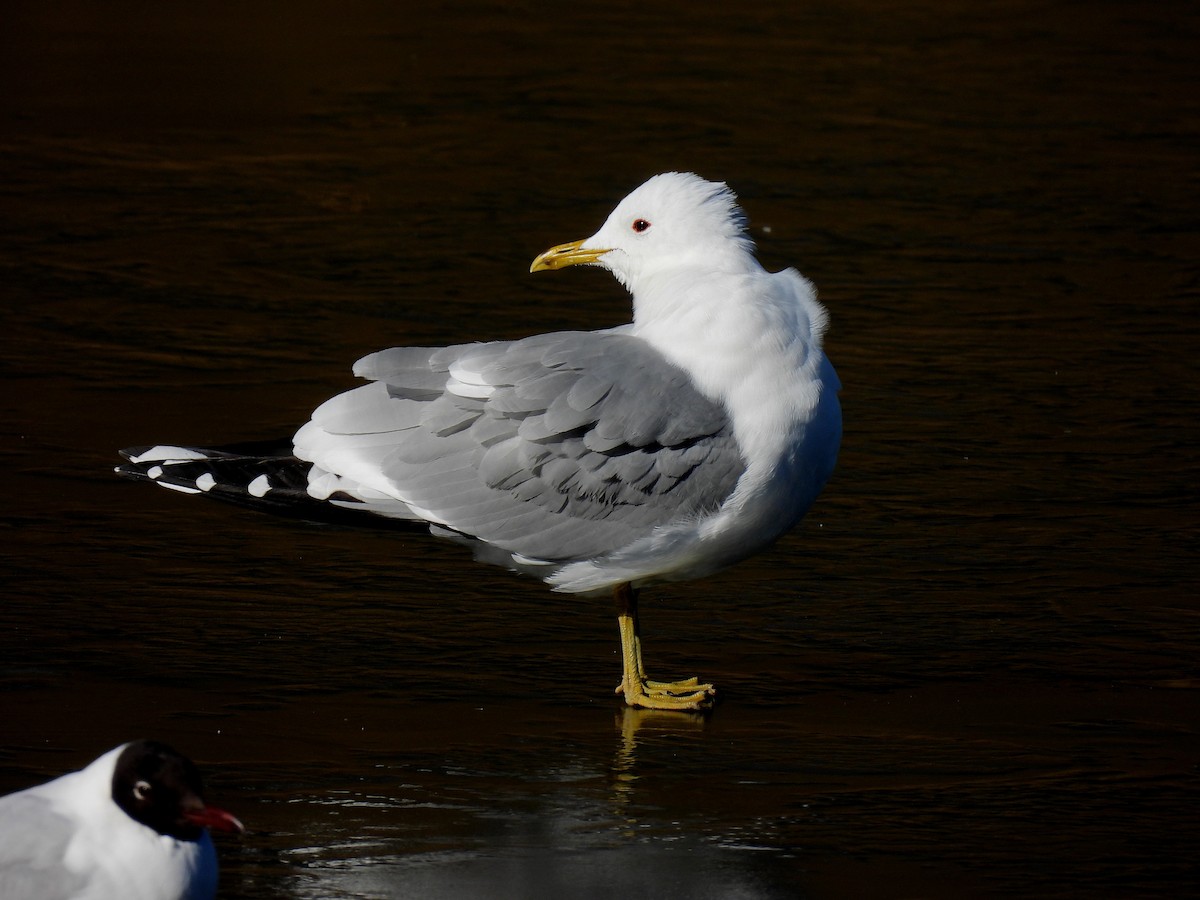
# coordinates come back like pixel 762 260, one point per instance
pixel 564 255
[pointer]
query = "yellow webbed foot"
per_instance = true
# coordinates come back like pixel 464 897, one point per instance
pixel 688 694
pixel 643 692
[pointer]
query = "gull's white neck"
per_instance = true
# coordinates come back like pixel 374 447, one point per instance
pixel 750 339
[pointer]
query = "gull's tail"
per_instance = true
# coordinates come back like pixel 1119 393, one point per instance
pixel 264 476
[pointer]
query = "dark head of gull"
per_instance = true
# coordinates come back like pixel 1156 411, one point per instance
pixel 162 789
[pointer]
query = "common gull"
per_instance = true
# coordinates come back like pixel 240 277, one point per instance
pixel 599 461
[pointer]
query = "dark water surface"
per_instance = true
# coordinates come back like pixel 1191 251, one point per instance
pixel 971 672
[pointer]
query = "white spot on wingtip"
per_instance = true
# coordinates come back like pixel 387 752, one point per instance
pixel 154 471
pixel 321 485
pixel 259 486
pixel 178 487
pixel 165 452
pixel 206 482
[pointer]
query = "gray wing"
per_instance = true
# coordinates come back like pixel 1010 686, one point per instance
pixel 558 447
pixel 33 841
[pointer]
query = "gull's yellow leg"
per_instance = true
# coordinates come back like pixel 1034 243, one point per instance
pixel 637 688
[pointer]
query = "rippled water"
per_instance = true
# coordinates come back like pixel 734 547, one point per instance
pixel 972 670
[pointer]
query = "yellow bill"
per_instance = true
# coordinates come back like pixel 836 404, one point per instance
pixel 572 254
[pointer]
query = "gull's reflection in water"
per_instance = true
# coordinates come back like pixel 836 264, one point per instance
pixel 591 814
pixel 634 725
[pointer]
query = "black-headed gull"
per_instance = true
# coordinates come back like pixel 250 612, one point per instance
pixel 132 825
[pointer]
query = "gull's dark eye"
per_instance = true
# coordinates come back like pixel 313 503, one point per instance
pixel 640 225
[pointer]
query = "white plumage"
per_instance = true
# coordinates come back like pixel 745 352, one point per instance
pixel 660 450
pixel 76 838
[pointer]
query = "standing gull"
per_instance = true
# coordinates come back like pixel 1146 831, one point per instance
pixel 132 825
pixel 599 461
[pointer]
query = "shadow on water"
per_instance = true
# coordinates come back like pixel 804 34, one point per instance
pixel 972 670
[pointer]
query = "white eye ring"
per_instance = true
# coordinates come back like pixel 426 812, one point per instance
pixel 141 790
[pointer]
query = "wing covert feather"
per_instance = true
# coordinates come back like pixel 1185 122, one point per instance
pixel 557 447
